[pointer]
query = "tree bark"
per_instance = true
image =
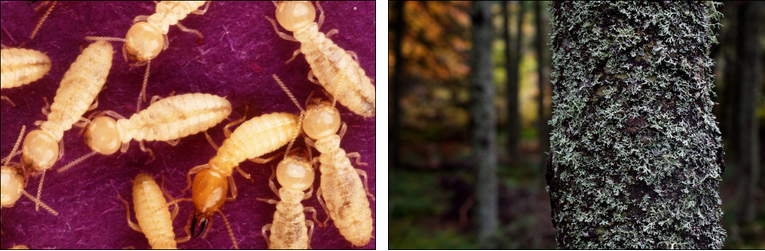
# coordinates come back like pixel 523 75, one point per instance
pixel 483 116
pixel 395 132
pixel 544 80
pixel 512 57
pixel 636 156
pixel 749 83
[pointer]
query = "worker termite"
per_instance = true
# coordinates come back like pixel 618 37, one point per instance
pixel 79 88
pixel 148 35
pixel 290 229
pixel 153 220
pixel 168 119
pixel 14 179
pixel 252 139
pixel 340 183
pixel 21 67
pixel 331 66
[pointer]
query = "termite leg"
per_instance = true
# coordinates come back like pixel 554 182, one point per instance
pixel 343 129
pixel 281 34
pixel 144 149
pixel 263 161
pixel 164 191
pixel 265 228
pixel 7 99
pixel 308 194
pixel 358 158
pixel 363 173
pixel 321 14
pixel 210 140
pixel 184 29
pixel 246 175
pixel 233 186
pixel 312 78
pixel 173 142
pixel 331 33
pixel 354 56
pixel 194 170
pixel 323 206
pixel 202 11
pixel 311 210
pixel 271 182
pixel 227 131
pixel 141 18
pixel 131 224
pixel 310 226
pixel 46 108
pixel 294 55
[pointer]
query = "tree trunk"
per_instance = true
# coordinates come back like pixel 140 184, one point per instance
pixel 636 155
pixel 395 132
pixel 544 79
pixel 482 113
pixel 749 84
pixel 512 59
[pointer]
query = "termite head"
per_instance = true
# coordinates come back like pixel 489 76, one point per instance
pixel 40 150
pixel 12 185
pixel 321 119
pixel 295 15
pixel 208 193
pixel 102 135
pixel 295 172
pixel 143 42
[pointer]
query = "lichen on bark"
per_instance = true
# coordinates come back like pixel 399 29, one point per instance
pixel 636 157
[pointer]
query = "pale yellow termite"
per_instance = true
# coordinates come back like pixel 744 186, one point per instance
pixel 336 69
pixel 252 139
pixel 154 218
pixel 79 88
pixel 14 179
pixel 290 229
pixel 168 119
pixel 148 35
pixel 340 183
pixel 22 66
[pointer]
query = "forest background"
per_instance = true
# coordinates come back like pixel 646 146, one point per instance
pixel 432 177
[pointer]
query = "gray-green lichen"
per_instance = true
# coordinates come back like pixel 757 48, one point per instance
pixel 636 156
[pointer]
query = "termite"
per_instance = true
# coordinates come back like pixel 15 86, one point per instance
pixel 79 88
pixel 340 184
pixel 168 119
pixel 148 35
pixel 154 218
pixel 290 229
pixel 331 66
pixel 252 139
pixel 14 179
pixel 22 66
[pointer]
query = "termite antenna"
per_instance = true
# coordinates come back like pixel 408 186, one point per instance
pixel 302 112
pixel 230 233
pixel 108 39
pixel 42 20
pixel 77 161
pixel 40 203
pixel 15 146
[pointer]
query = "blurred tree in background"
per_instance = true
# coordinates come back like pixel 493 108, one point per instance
pixel 433 176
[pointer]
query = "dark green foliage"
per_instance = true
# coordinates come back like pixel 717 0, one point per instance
pixel 635 160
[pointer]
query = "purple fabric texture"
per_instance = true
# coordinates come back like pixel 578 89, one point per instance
pixel 236 58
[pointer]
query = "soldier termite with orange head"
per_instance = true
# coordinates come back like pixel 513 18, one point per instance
pixel 252 139
pixel 14 179
pixel 79 88
pixel 154 220
pixel 22 66
pixel 336 69
pixel 168 119
pixel 148 35
pixel 340 184
pixel 290 228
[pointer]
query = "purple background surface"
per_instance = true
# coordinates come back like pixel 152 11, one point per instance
pixel 239 53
